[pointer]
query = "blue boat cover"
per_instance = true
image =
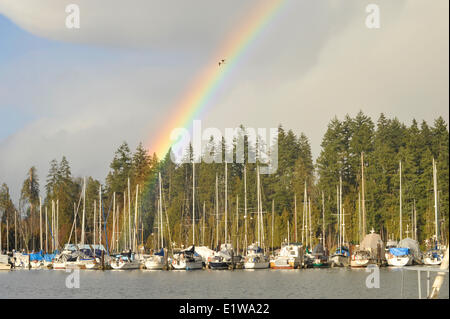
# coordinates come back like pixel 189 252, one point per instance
pixel 49 257
pixel 399 251
pixel 161 253
pixel 342 251
pixel 37 257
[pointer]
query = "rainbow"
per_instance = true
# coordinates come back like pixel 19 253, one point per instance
pixel 202 91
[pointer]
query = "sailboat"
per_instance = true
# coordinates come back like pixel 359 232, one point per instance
pixel 225 257
pixel 256 259
pixel 188 259
pixel 361 257
pixel 435 255
pixel 128 258
pixel 399 256
pixel 156 261
pixel 341 256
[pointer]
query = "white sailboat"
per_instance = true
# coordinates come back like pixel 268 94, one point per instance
pixel 341 256
pixel 255 258
pixel 188 259
pixel 435 255
pixel 399 256
pixel 156 261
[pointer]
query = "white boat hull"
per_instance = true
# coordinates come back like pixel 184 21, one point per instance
pixel 432 261
pixel 154 265
pixel 399 261
pixel 256 265
pixel 359 263
pixel 123 265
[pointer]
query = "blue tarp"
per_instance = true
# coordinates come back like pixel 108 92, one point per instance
pixel 342 251
pixel 399 251
pixel 161 253
pixel 37 257
pixel 49 257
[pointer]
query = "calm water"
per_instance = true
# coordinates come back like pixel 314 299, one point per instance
pixel 250 284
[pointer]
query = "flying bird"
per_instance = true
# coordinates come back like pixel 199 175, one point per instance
pixel 222 62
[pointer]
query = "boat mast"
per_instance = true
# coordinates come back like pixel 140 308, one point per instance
pixel 136 220
pixel 203 228
pixel 295 217
pixel 257 194
pixel 323 219
pixel 245 208
pixel 303 217
pixel 359 216
pixel 46 228
pixel 340 210
pixel 237 223
pixel 100 214
pixel 193 202
pixel 226 203
pixel 161 232
pixel 84 212
pixel 435 200
pixel 415 220
pixel 273 210
pixel 129 215
pixel 400 171
pixel 310 226
pixel 114 222
pixel 40 221
pixel 363 196
pixel 95 222
pixel 217 211
pixel 124 229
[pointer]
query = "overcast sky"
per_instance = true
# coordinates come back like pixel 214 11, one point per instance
pixel 81 92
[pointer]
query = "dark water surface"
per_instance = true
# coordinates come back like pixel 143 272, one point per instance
pixel 204 284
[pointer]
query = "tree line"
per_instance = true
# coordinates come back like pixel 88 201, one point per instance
pixel 299 184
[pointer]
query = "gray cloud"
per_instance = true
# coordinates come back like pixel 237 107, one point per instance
pixel 315 60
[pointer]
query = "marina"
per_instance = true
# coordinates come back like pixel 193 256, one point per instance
pixel 339 283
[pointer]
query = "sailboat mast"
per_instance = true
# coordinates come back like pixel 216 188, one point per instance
pixel 100 206
pixel 401 226
pixel 46 228
pixel 203 228
pixel 363 197
pixel 226 202
pixel 40 221
pixel 114 222
pixel 257 194
pixel 323 219
pixel 84 213
pixel 435 200
pixel 415 220
pixel 160 212
pixel 295 216
pixel 310 226
pixel 129 215
pixel 273 210
pixel 95 221
pixel 303 217
pixel 135 232
pixel 193 203
pixel 359 216
pixel 237 223
pixel 245 208
pixel 217 211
